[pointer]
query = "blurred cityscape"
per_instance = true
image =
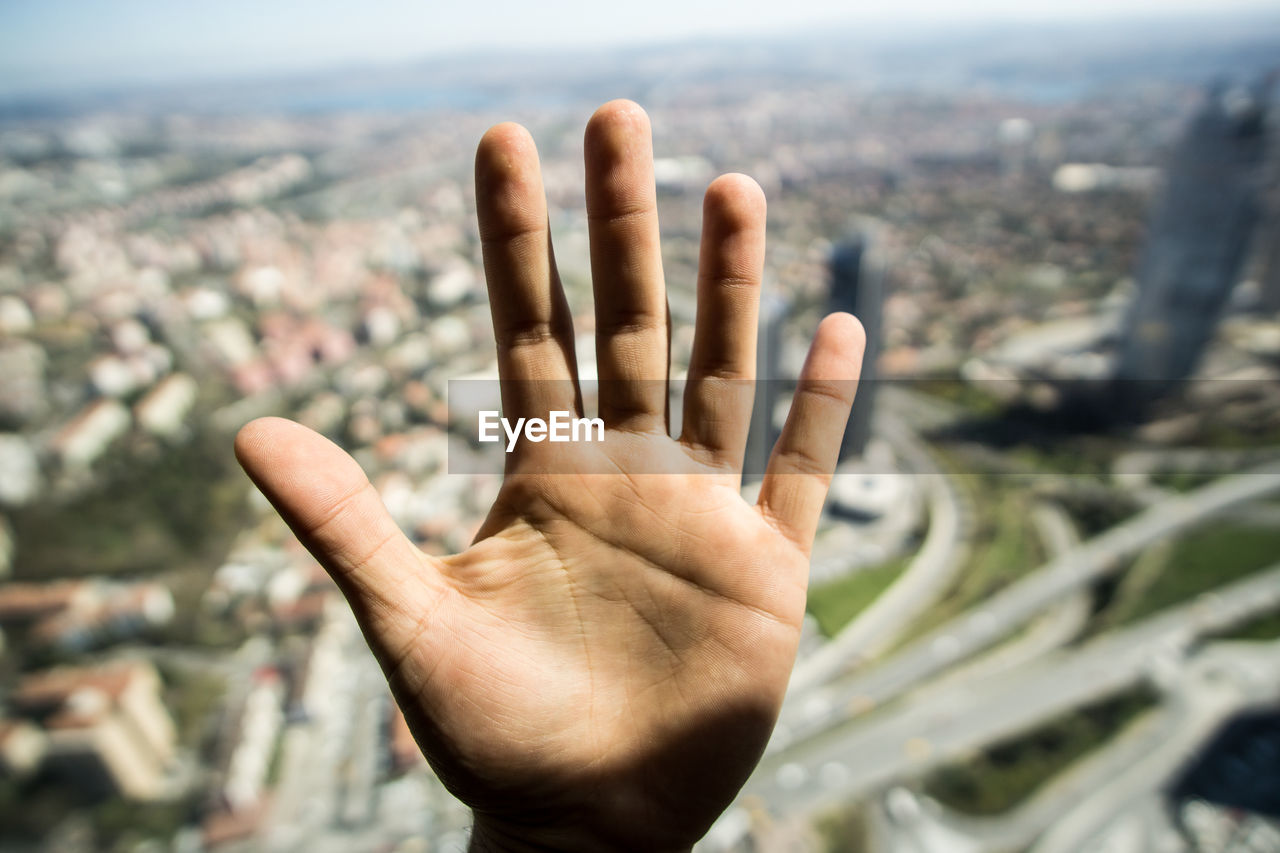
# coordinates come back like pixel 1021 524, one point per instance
pixel 1045 602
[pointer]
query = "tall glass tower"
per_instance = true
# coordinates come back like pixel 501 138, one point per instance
pixel 1198 240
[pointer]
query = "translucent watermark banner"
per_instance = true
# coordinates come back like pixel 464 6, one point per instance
pixel 1175 433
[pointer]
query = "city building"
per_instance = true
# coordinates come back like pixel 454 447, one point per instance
pixel 1270 248
pixel 254 743
pixel 1199 235
pixel 76 616
pixel 19 470
pixel 774 311
pixel 107 730
pixel 163 411
pixel 88 435
pixel 6 551
pixel 857 287
pixel 22 748
pixel 25 604
pixel 404 753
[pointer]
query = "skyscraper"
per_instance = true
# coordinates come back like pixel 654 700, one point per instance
pixel 769 384
pixel 1269 240
pixel 1271 272
pixel 1198 239
pixel 857 283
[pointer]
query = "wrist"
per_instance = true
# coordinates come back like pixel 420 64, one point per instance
pixel 490 837
pixel 487 836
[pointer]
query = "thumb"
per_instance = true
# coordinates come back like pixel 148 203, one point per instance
pixel 334 510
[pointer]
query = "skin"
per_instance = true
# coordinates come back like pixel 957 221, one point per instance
pixel 602 668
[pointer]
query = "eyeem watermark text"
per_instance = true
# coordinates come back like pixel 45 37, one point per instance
pixel 560 426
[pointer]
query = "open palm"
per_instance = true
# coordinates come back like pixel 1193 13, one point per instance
pixel 601 669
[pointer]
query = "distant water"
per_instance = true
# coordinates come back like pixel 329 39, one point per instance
pixel 396 99
pixel 1034 63
pixel 303 97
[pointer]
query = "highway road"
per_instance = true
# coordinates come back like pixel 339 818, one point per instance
pixel 816 707
pixel 1139 466
pixel 1057 626
pixel 1100 802
pixel 1220 682
pixel 900 821
pixel 870 751
pixel 837 741
pixel 1019 828
pixel 928 576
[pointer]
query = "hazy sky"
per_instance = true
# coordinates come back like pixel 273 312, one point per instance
pixel 52 44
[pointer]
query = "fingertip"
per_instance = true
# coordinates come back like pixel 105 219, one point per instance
pixel 620 111
pixel 328 502
pixel 837 348
pixel 844 331
pixel 256 435
pixel 503 151
pixel 504 137
pixel 738 186
pixel 616 131
pixel 737 200
pixel 509 193
pixel 279 454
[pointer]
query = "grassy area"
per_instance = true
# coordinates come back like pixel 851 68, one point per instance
pixel 1240 435
pixel 1096 512
pixel 1265 627
pixel 150 510
pixel 192 696
pixel 199 627
pixel 1072 456
pixel 1005 547
pixel 834 604
pixel 1003 776
pixel 120 825
pixel 1126 589
pixel 843 831
pixel 970 396
pixel 1198 562
pixel 29 811
pixel 1183 481
pixel 34 815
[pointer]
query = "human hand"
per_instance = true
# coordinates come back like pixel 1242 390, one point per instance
pixel 602 668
